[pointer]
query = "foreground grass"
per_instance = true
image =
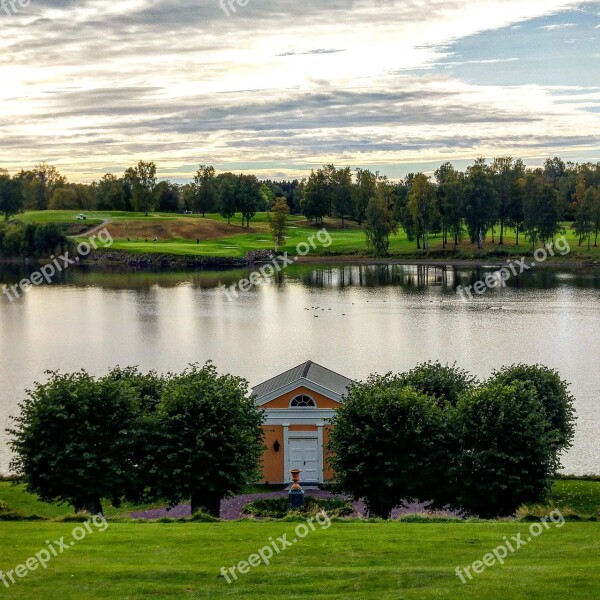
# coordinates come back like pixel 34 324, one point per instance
pixel 347 560
pixel 349 240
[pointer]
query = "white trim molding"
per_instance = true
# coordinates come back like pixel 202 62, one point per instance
pixel 298 416
pixel 319 389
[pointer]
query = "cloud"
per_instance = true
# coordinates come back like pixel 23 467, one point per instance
pixel 490 61
pixel 558 26
pixel 93 83
pixel 309 52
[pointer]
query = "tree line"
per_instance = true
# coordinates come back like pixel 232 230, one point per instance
pixel 432 434
pixel 138 190
pixel 486 198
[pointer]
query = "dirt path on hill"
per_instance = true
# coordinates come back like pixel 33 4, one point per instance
pixel 93 230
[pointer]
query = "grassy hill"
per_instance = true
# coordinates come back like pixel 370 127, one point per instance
pixel 193 235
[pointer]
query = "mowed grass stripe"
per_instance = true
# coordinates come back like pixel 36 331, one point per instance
pixel 348 560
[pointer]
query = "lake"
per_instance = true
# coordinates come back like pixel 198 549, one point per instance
pixel 354 319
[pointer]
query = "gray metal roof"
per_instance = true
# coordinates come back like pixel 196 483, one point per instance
pixel 309 371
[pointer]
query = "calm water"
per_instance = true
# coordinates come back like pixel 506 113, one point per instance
pixel 369 319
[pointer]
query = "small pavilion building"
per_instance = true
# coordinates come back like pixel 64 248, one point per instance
pixel 298 405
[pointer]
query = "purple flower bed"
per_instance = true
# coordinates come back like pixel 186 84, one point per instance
pixel 231 508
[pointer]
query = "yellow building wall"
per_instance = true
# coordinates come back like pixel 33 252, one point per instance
pixel 272 462
pixel 303 428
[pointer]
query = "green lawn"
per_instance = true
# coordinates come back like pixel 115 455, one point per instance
pixel 27 504
pixel 68 216
pixel 345 241
pixel 346 560
pixel 350 559
pixel 581 496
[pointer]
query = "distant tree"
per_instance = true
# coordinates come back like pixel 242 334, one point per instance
pixel 297 195
pixel 315 196
pixel 388 444
pixel 206 190
pixel 364 190
pixel 50 180
pixel 422 206
pixel 506 456
pixel 87 195
pixel 143 182
pixel 11 196
pixel 595 210
pixel 506 172
pixel 266 196
pixel 73 438
pixel 584 217
pixel 64 199
pixel 111 194
pixel 481 201
pixel 401 211
pixel 167 196
pixel 188 197
pixel 450 201
pixel 38 186
pixel 554 171
pixel 278 221
pixel 247 197
pixel 329 176
pixel 210 439
pixel 342 189
pixel 227 187
pixel 515 216
pixel 541 209
pixel 379 223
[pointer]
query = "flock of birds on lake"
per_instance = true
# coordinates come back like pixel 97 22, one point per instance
pixel 326 310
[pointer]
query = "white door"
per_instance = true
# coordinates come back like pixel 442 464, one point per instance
pixel 304 455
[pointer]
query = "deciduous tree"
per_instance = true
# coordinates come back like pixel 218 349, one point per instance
pixel 379 223
pixel 422 206
pixel 388 444
pixel 209 442
pixel 278 221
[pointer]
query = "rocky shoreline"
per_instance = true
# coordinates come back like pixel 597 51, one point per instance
pixel 163 261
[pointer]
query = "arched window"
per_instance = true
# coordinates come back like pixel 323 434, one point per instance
pixel 303 402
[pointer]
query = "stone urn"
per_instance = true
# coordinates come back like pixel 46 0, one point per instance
pixel 295 473
pixel 296 493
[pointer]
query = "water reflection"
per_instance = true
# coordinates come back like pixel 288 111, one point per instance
pixel 356 319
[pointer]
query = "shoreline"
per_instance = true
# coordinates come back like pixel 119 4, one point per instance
pixel 444 262
pixel 119 258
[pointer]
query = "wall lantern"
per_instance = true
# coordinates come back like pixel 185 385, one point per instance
pixel 276 446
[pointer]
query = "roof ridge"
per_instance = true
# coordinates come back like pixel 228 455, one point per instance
pixel 307 365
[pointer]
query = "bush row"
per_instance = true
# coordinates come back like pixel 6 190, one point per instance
pixel 436 434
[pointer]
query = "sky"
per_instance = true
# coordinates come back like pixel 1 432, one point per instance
pixel 278 87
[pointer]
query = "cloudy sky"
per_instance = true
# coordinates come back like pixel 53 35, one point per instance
pixel 277 87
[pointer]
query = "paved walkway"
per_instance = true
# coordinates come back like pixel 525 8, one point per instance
pixel 231 508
